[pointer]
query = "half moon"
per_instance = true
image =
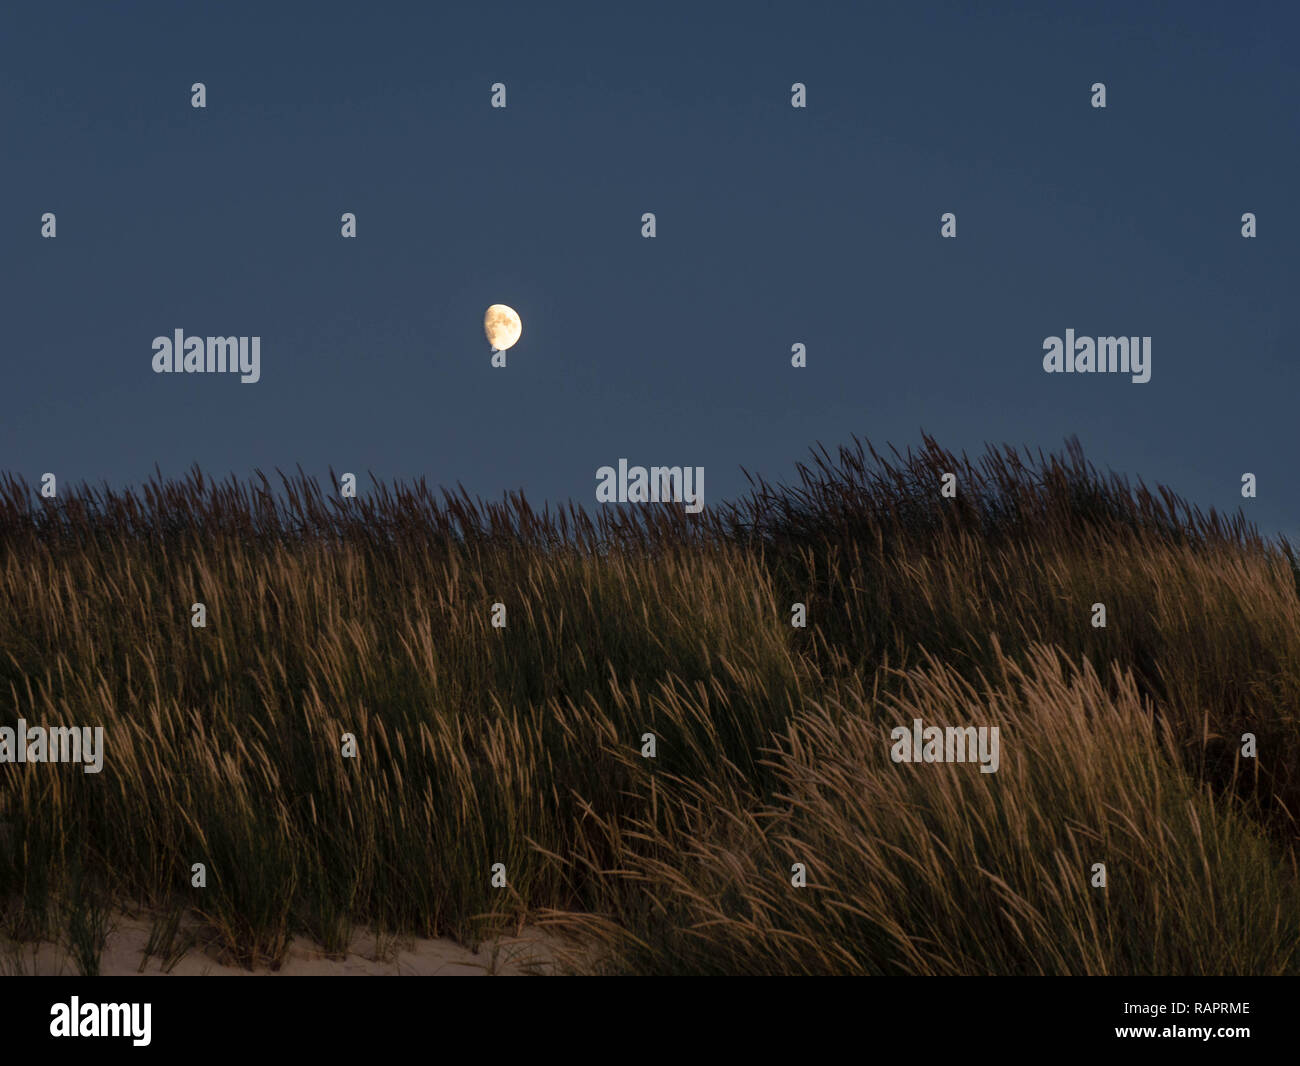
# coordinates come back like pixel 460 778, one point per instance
pixel 502 326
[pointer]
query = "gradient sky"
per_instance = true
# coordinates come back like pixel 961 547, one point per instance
pixel 775 225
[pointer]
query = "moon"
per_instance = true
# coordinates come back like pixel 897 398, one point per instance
pixel 502 326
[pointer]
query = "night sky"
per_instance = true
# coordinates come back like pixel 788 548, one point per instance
pixel 775 225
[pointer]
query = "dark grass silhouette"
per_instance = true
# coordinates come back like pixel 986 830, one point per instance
pixel 522 745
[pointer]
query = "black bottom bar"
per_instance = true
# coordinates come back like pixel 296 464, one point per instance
pixel 334 1016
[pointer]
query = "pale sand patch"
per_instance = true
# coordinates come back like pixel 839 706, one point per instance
pixel 531 952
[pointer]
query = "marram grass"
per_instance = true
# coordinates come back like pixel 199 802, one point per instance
pixel 522 745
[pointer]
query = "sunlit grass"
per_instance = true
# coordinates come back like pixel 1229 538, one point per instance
pixel 522 745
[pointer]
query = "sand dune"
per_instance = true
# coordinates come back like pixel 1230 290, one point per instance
pixel 531 952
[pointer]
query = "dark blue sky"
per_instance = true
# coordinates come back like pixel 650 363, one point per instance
pixel 775 226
